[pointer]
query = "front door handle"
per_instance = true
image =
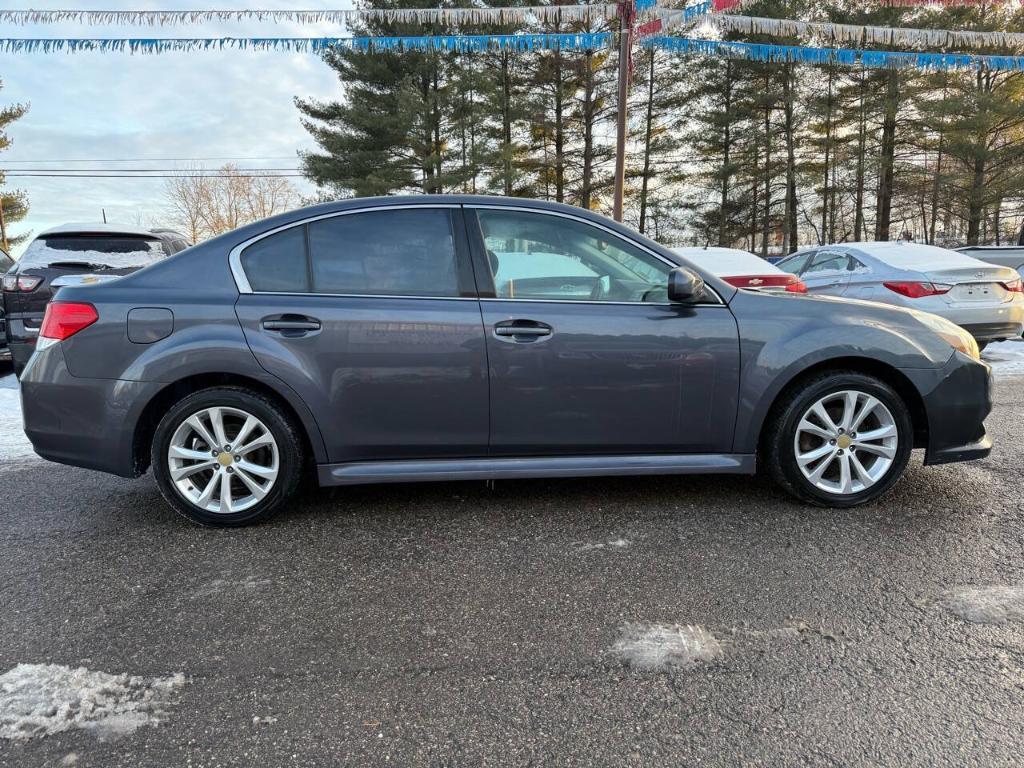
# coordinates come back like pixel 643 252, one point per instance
pixel 521 330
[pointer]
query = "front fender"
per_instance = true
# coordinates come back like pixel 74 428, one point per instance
pixel 783 336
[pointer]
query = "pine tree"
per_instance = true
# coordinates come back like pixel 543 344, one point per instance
pixel 13 203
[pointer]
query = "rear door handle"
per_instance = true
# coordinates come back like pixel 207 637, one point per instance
pixel 290 325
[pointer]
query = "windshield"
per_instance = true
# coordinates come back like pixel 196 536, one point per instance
pixel 95 251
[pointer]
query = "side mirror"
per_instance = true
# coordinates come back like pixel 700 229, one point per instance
pixel 685 286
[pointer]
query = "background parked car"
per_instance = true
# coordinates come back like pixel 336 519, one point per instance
pixel 985 299
pixel 6 262
pixel 73 254
pixel 1011 256
pixel 743 269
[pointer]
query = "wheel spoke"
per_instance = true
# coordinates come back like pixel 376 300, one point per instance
pixel 876 434
pixel 868 406
pixel 819 470
pixel 254 487
pixel 259 442
pixel 849 410
pixel 862 474
pixel 812 428
pixel 826 420
pixel 178 452
pixel 811 456
pixel 200 429
pixel 881 450
pixel 845 481
pixel 226 502
pixel 180 473
pixel 267 473
pixel 217 420
pixel 245 431
pixel 207 495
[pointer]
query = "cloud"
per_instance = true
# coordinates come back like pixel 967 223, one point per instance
pixel 217 104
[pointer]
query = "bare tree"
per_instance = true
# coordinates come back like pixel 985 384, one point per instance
pixel 205 205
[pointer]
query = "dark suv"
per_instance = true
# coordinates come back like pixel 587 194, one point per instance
pixel 456 337
pixel 68 255
pixel 6 262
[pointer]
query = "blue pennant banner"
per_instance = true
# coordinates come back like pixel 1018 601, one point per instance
pixel 846 56
pixel 461 43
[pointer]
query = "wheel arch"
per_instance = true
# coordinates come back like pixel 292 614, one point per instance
pixel 868 366
pixel 153 411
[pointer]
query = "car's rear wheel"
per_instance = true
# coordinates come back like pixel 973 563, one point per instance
pixel 227 456
pixel 839 439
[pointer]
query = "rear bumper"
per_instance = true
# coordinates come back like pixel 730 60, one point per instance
pixel 957 399
pixel 993 331
pixel 82 422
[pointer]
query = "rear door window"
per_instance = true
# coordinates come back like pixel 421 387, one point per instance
pixel 93 252
pixel 397 252
pixel 828 261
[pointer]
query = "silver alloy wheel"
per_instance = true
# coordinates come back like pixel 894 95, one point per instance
pixel 846 442
pixel 223 460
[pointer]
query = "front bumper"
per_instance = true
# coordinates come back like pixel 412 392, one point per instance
pixel 957 399
pixel 82 422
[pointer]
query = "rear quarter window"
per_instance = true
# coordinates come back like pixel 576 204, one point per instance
pixel 277 263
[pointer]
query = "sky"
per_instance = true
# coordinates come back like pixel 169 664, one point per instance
pixel 203 107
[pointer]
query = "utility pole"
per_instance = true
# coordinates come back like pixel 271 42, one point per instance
pixel 627 11
pixel 3 228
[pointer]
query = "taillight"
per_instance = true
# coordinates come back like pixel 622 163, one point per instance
pixel 64 319
pixel 790 283
pixel 916 290
pixel 1014 286
pixel 23 283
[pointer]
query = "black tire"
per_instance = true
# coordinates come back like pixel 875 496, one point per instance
pixel 781 427
pixel 285 432
pixel 18 368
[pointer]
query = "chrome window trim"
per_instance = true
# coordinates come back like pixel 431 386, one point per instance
pixel 671 264
pixel 235 256
pixel 363 295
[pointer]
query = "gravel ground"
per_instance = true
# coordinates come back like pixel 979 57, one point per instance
pixel 662 621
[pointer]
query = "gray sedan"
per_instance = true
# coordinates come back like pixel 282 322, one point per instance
pixel 457 337
pixel 986 299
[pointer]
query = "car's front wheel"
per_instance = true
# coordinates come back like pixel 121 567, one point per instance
pixel 227 456
pixel 839 439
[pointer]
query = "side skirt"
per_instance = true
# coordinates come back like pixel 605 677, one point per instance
pixel 358 472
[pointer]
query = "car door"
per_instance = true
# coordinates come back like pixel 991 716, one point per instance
pixel 371 316
pixel 586 353
pixel 827 273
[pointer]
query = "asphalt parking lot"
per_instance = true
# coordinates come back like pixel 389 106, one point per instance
pixel 662 621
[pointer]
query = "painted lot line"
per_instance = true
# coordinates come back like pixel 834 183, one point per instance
pixel 15 449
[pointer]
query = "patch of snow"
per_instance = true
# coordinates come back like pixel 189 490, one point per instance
pixel 215 587
pixel 1005 357
pixel 14 446
pixel 652 646
pixel 619 543
pixel 44 699
pixel 39 255
pixel 986 605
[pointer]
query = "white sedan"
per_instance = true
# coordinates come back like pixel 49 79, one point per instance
pixel 743 269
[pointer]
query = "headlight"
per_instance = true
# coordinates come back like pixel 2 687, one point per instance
pixel 951 333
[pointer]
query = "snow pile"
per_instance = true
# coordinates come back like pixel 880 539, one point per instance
pixel 986 605
pixel 1005 357
pixel 650 646
pixel 14 446
pixel 44 699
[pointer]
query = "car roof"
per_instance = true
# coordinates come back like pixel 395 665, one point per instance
pixel 728 261
pixel 89 228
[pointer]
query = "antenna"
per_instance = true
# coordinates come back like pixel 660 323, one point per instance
pixel 104 210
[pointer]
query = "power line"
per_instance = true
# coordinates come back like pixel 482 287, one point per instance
pixel 153 159
pixel 154 176
pixel 232 172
